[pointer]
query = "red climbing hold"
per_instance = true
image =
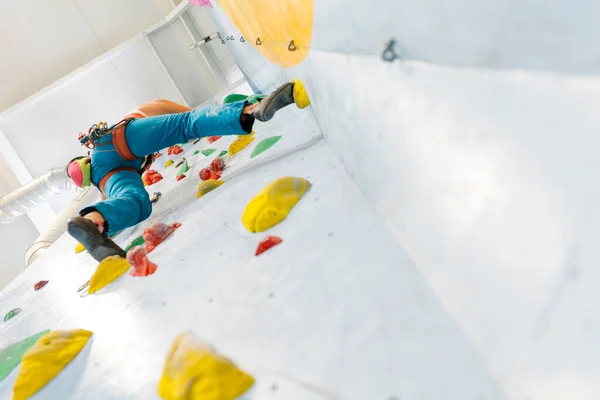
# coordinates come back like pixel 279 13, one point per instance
pixel 151 176
pixel 140 265
pixel 39 285
pixel 267 244
pixel 217 165
pixel 212 139
pixel 180 177
pixel 207 174
pixel 156 233
pixel 174 150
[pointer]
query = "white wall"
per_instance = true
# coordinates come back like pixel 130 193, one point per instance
pixel 487 175
pixel 43 40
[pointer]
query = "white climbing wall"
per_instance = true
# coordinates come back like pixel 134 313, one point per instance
pixel 478 150
pixel 445 251
pixel 335 311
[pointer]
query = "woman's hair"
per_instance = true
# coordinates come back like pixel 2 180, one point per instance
pixel 75 159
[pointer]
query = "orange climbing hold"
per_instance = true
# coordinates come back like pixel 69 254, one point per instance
pixel 212 139
pixel 151 176
pixel 156 233
pixel 267 244
pixel 180 177
pixel 217 165
pixel 174 150
pixel 140 265
pixel 206 174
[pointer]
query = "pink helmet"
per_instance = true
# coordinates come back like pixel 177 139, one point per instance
pixel 79 171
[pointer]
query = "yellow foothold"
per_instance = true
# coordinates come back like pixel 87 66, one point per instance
pixel 240 143
pixel 169 162
pixel 300 96
pixel 108 270
pixel 207 186
pixel 50 355
pixel 273 204
pixel 79 248
pixel 245 136
pixel 194 370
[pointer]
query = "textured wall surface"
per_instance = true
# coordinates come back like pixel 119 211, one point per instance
pixel 448 247
pixel 478 151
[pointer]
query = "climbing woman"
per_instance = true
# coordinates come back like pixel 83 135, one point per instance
pixel 118 152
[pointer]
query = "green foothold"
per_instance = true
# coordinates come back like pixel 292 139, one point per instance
pixel 233 97
pixel 222 153
pixel 208 152
pixel 197 152
pixel 184 168
pixel 11 314
pixel 138 241
pixel 264 144
pixel 12 355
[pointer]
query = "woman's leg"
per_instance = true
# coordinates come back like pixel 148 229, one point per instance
pixel 127 203
pixel 148 135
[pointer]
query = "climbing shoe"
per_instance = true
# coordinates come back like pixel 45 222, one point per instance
pixel 97 244
pixel 286 94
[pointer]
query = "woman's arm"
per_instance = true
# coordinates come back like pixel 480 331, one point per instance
pixel 161 107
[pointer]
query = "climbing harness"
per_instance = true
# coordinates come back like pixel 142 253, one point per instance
pixel 98 131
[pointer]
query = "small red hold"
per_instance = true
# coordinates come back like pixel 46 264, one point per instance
pixel 156 233
pixel 39 285
pixel 207 174
pixel 180 177
pixel 217 165
pixel 140 265
pixel 174 150
pixel 212 139
pixel 267 244
pixel 151 176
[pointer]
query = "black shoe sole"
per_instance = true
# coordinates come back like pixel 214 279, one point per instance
pixel 97 244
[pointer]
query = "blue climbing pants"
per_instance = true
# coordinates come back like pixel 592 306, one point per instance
pixel 127 201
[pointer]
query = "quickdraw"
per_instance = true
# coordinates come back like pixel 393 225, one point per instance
pixel 98 131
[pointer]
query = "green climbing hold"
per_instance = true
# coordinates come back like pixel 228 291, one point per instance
pixel 208 152
pixel 12 355
pixel 197 152
pixel 184 168
pixel 11 314
pixel 264 144
pixel 138 241
pixel 222 153
pixel 233 97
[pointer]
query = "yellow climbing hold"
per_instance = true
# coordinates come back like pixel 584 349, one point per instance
pixel 50 355
pixel 281 30
pixel 108 270
pixel 169 162
pixel 79 248
pixel 245 136
pixel 240 143
pixel 207 186
pixel 273 204
pixel 300 96
pixel 194 370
